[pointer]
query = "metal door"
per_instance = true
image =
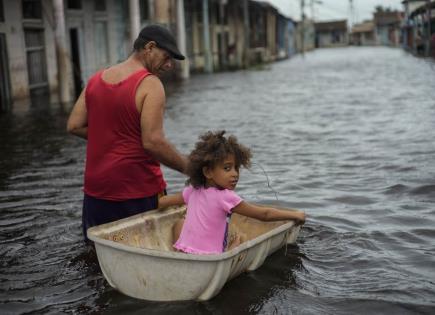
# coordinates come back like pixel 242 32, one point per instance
pixel 36 60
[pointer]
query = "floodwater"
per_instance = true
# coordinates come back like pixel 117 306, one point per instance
pixel 344 134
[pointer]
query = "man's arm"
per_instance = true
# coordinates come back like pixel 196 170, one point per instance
pixel 153 136
pixel 78 119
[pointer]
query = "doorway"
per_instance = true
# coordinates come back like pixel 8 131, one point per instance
pixel 75 58
pixel 5 94
pixel 36 61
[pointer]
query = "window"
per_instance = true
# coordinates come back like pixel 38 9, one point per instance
pixel 215 8
pixel 258 34
pixel 5 93
pixel 2 14
pixel 34 38
pixel 32 9
pixel 144 8
pixel 36 62
pixel 74 4
pixel 100 5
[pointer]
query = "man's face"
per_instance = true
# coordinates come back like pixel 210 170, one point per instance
pixel 157 60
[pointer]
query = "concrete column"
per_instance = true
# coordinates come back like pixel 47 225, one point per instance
pixel 162 12
pixel 181 34
pixel 134 13
pixel 414 36
pixel 208 66
pixel 152 7
pixel 246 32
pixel 61 52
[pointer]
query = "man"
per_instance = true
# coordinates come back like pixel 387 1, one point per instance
pixel 120 113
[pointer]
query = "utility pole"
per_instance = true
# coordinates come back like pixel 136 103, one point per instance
pixel 351 22
pixel 351 14
pixel 312 9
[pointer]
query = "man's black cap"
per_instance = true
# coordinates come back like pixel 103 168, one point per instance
pixel 163 39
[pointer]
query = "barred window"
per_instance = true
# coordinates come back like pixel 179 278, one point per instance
pixel 100 5
pixel 74 4
pixel 36 60
pixel 144 10
pixel 2 14
pixel 32 9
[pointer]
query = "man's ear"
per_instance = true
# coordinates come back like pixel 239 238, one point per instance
pixel 150 45
pixel 206 172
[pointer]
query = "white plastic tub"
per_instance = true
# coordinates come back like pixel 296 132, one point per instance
pixel 137 258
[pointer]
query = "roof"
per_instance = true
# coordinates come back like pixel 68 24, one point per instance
pixel 405 1
pixel 423 9
pixel 365 27
pixel 265 4
pixel 331 26
pixel 388 17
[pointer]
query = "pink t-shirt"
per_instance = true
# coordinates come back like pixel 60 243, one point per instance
pixel 205 227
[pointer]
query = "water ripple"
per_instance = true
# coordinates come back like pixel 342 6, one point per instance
pixel 340 133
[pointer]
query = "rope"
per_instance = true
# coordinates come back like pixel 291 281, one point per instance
pixel 268 181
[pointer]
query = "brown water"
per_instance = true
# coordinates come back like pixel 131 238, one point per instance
pixel 345 134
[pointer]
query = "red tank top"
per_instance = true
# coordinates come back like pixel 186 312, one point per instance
pixel 117 166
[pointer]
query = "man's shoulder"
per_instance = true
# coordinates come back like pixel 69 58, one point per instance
pixel 151 83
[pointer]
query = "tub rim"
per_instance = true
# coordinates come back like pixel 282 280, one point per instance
pixel 93 231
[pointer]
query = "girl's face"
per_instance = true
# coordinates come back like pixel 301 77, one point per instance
pixel 224 175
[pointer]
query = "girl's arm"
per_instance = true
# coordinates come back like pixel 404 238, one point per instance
pixel 267 213
pixel 171 200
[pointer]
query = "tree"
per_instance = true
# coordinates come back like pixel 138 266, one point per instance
pixel 381 9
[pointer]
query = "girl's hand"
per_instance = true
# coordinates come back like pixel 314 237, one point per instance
pixel 299 217
pixel 170 200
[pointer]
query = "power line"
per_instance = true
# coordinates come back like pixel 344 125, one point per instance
pixel 326 9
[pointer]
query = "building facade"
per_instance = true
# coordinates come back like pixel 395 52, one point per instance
pixel 305 36
pixel 387 27
pixel 363 34
pixel 331 34
pixel 418 27
pixel 54 46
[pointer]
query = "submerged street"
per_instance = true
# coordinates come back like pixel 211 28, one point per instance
pixel 344 134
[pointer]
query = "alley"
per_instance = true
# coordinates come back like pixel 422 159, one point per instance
pixel 344 134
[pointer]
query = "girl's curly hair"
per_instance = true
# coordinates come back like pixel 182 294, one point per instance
pixel 212 149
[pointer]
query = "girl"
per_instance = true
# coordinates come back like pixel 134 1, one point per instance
pixel 213 171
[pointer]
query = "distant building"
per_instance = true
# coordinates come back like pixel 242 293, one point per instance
pixel 363 34
pixel 331 34
pixel 240 33
pixel 387 26
pixel 417 29
pixel 291 43
pixel 305 36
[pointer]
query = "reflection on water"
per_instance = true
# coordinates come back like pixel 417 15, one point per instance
pixel 344 134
